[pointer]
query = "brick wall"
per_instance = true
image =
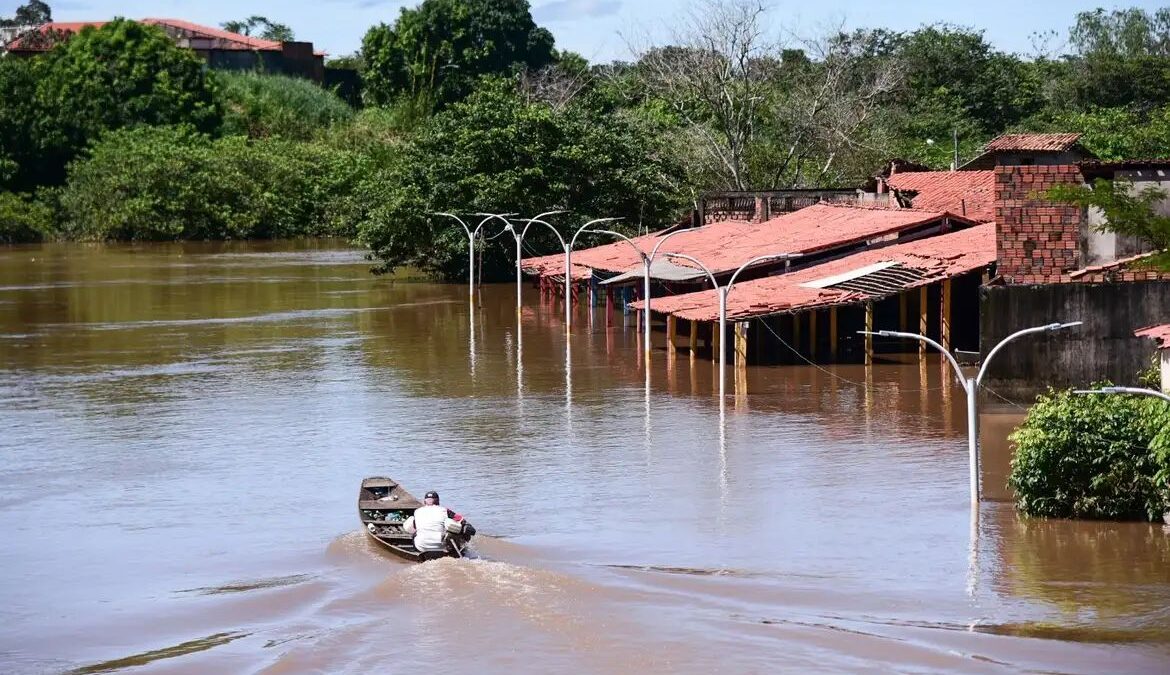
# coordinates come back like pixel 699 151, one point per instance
pixel 1037 241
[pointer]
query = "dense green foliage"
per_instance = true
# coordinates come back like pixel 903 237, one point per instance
pixel 121 74
pixel 436 51
pixel 260 106
pixel 231 188
pixel 24 218
pixel 495 148
pixel 1103 457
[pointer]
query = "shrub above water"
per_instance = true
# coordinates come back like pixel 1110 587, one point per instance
pixel 1084 456
pixel 261 106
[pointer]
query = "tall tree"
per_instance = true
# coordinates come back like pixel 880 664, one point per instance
pixel 437 50
pixel 32 13
pixel 262 27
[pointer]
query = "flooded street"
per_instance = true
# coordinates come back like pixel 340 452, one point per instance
pixel 185 426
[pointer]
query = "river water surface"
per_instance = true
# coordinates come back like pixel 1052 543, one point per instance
pixel 183 429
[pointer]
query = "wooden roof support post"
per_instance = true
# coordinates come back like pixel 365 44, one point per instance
pixel 741 344
pixel 868 337
pixel 796 333
pixel 608 306
pixel 812 335
pixel 716 342
pixel 671 332
pixel 694 341
pixel 833 333
pixel 922 308
pixel 945 316
pixel 902 302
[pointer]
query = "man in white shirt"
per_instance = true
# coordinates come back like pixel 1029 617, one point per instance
pixel 430 525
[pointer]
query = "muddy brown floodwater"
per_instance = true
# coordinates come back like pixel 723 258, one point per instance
pixel 183 429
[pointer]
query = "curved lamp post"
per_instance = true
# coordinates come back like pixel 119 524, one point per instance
pixel 569 267
pixel 1126 390
pixel 519 237
pixel 971 387
pixel 722 291
pixel 647 260
pixel 471 235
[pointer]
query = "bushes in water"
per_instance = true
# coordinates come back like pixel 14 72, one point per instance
pixel 263 106
pixel 158 183
pixel 26 218
pixel 1102 457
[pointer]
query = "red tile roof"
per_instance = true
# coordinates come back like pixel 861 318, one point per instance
pixel 726 245
pixel 228 41
pixel 1120 263
pixel 971 193
pixel 935 258
pixel 1032 143
pixel 1160 334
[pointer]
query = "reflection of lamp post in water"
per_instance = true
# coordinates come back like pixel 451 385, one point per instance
pixel 647 260
pixel 722 292
pixel 971 387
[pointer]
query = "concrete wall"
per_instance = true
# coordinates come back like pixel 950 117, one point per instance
pixel 1102 349
pixel 1104 247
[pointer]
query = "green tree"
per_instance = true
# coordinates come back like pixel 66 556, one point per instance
pixel 1091 457
pixel 259 106
pixel 1127 211
pixel 262 27
pixel 121 74
pixel 435 52
pixel 1122 58
pixel 32 13
pixel 495 152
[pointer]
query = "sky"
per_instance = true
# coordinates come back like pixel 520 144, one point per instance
pixel 603 30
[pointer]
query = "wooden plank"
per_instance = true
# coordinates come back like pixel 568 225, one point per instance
pixel 868 338
pixel 833 333
pixel 922 309
pixel 671 331
pixel 945 315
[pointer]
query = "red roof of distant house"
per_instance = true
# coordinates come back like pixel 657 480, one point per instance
pixel 903 266
pixel 1032 143
pixel 1160 334
pixel 228 41
pixel 1120 263
pixel 726 245
pixel 970 193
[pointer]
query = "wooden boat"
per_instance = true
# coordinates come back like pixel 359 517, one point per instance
pixel 383 506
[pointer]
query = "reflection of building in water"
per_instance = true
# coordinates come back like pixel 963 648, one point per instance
pixel 1117 571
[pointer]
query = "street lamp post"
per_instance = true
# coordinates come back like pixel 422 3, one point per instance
pixel 569 267
pixel 722 292
pixel 1137 391
pixel 971 387
pixel 519 237
pixel 471 235
pixel 647 260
